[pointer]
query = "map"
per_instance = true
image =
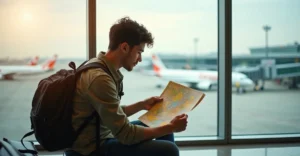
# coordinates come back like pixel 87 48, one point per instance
pixel 177 99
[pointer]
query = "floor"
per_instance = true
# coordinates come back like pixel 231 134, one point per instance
pixel 243 150
pixel 232 150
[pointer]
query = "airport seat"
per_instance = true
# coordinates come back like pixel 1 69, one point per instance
pixel 71 153
pixel 74 153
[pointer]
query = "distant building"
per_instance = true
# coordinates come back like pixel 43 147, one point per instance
pixel 275 50
pixel 281 54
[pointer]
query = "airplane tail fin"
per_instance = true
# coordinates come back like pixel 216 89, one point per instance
pixel 34 61
pixel 49 64
pixel 158 65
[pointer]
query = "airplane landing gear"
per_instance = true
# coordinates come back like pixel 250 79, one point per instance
pixel 262 88
pixel 293 83
pixel 262 85
pixel 257 87
pixel 240 90
pixel 8 77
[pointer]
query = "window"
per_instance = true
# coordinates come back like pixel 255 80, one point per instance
pixel 185 32
pixel 268 103
pixel 32 29
pixel 45 29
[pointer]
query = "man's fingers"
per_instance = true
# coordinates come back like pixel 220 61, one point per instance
pixel 157 98
pixel 180 116
pixel 184 117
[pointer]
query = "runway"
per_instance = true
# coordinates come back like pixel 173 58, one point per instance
pixel 276 110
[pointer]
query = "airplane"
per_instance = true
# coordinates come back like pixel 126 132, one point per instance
pixel 7 72
pixel 145 67
pixel 201 79
pixel 34 61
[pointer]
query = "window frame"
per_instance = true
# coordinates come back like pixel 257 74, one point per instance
pixel 224 123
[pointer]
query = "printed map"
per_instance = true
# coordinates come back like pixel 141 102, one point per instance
pixel 177 99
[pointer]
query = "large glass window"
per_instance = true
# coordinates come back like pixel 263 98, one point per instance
pixel 265 97
pixel 29 30
pixel 186 34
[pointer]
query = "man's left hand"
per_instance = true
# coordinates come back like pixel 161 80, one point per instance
pixel 147 104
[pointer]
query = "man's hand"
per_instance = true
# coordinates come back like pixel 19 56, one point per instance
pixel 179 123
pixel 147 104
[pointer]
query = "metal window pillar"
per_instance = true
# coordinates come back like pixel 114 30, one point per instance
pixel 91 29
pixel 224 68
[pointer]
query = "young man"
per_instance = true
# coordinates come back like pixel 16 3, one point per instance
pixel 97 90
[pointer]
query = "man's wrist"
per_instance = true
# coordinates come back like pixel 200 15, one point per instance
pixel 141 105
pixel 170 128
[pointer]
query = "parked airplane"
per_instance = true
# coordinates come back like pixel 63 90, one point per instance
pixel 34 61
pixel 202 79
pixel 7 72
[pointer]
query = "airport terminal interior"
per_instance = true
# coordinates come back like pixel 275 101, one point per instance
pixel 241 56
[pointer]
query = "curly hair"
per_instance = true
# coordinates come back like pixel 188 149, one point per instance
pixel 129 31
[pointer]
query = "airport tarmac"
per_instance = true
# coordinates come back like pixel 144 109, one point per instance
pixel 275 110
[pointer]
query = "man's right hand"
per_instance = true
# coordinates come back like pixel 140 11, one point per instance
pixel 179 123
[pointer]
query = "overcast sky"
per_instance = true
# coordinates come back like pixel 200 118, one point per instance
pixel 45 27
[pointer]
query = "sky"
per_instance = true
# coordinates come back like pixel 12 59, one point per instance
pixel 43 28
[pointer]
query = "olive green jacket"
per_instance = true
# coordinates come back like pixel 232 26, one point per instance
pixel 97 90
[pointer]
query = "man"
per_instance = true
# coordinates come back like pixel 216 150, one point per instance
pixel 97 90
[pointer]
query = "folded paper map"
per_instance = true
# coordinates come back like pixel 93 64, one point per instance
pixel 177 99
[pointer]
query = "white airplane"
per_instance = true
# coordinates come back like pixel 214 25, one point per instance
pixel 34 61
pixel 8 71
pixel 202 79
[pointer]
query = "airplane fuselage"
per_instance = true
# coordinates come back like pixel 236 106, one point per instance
pixel 201 78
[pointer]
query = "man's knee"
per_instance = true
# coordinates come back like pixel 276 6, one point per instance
pixel 170 149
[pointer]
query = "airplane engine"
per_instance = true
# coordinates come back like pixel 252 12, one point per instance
pixel 7 77
pixel 204 85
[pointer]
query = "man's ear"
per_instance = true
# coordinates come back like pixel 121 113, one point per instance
pixel 124 47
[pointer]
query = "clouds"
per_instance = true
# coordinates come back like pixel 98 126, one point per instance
pixel 173 31
pixel 58 26
pixel 51 28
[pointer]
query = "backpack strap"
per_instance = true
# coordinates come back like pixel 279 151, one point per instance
pixel 97 133
pixel 26 135
pixel 86 121
pixel 83 67
pixel 73 66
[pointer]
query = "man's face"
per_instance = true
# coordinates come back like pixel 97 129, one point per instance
pixel 134 55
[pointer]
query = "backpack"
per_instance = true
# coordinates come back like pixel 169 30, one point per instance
pixel 52 107
pixel 15 148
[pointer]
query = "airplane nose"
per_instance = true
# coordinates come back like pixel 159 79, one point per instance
pixel 250 82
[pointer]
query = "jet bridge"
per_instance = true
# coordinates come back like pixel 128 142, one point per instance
pixel 268 70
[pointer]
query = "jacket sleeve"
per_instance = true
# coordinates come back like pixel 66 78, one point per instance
pixel 103 95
